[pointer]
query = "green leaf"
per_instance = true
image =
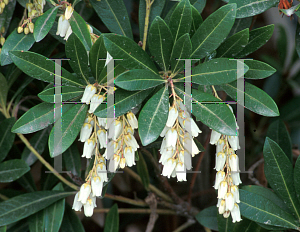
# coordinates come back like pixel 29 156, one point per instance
pixel 124 101
pixel 15 41
pixel 98 51
pixel 114 15
pixel 181 20
pixel 3 229
pixel 17 208
pixel 160 43
pixel 138 79
pixel 7 137
pixel 27 182
pixel 282 43
pixel 182 50
pixel 196 21
pixel 246 8
pixel 71 123
pixel 256 99
pixel 4 90
pixel 44 23
pixel 112 220
pixel 258 69
pixel 80 29
pixel 240 24
pixel 38 142
pixel 143 171
pixel 224 224
pixel 72 160
pixel 257 38
pixel 118 69
pixel 41 68
pixel 153 116
pixel 198 4
pixel 67 93
pixel 247 226
pixel 36 222
pixel 77 54
pixel 297 40
pixel 278 132
pixel 12 169
pixel 279 173
pixel 156 9
pixel 208 218
pixel 71 222
pixel 217 71
pixel 213 31
pixel 297 177
pixel 234 44
pixel 134 57
pixel 37 118
pixel 259 209
pixel 53 31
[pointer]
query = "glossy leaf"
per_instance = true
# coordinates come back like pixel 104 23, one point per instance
pixel 77 54
pixel 37 118
pixel 72 160
pixel 80 29
pixel 156 10
pixel 160 43
pixel 12 169
pixel 53 31
pixel 7 137
pixel 240 24
pixel 181 20
pixel 246 8
pixel 224 224
pixel 71 123
pixel 22 206
pixel 38 142
pixel 14 42
pixel 297 177
pixel 213 31
pixel 71 222
pixel 217 71
pixel 143 171
pixel 118 69
pixel 114 15
pixel 27 182
pixel 196 21
pixel 256 99
pixel 138 79
pixel 297 40
pixel 36 222
pixel 153 116
pixel 258 69
pixel 247 226
pixel 208 218
pixel 67 93
pixel 262 210
pixel 279 173
pixel 7 14
pixel 257 38
pixel 282 44
pixel 198 4
pixel 41 68
pixel 112 220
pixel 98 51
pixel 181 50
pixel 124 101
pixel 209 113
pixel 234 44
pixel 44 23
pixel 4 90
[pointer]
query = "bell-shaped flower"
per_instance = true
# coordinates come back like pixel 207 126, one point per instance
pixel 114 163
pixel 222 190
pixel 235 192
pixel 60 20
pixel 68 33
pixel 102 122
pixel 171 138
pixel 189 144
pixel 234 163
pixel 234 142
pixel 189 125
pixel 132 120
pixel 77 204
pixel 122 162
pixel 226 214
pixel 89 91
pixel 229 201
pixel 220 145
pixel 88 148
pixel 169 167
pixel 186 158
pixel 129 156
pixel 85 132
pixel 68 12
pixel 236 180
pixel 164 131
pixel 236 214
pixel 173 114
pixel 180 171
pixel 96 100
pixel 166 154
pixel 84 193
pixel 222 206
pixel 219 178
pixel 101 171
pixel 131 141
pixel 89 208
pixel 102 138
pixel 220 161
pixel 64 28
pixel 115 129
pixel 214 137
pixel 94 199
pixel 97 185
pixel 129 130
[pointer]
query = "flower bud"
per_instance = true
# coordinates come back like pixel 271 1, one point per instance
pixel 6 3
pixel 85 132
pixel 89 91
pixel 84 193
pixel 96 100
pixel 2 5
pixel 2 40
pixel 129 156
pixel 77 204
pixel 90 28
pixel 222 190
pixel 88 148
pixel 236 214
pixel 89 208
pixel 173 114
pixel 97 185
pixel 122 163
pixel 214 137
pixel 220 161
pixel 26 30
pixel 33 12
pixel 102 138
pixel 3 29
pixel 132 120
pixel 31 27
pixel 69 12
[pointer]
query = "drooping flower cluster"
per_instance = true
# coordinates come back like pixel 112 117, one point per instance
pixel 64 28
pixel 2 5
pixel 178 146
pixel 227 176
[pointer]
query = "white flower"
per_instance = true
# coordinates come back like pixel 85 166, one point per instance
pixel 187 160
pixel 94 199
pixel 189 144
pixel 165 130
pixel 226 214
pixel 84 193
pixel 229 201
pixel 214 137
pixel 222 189
pixel 234 163
pixel 173 114
pixel 129 156
pixel 102 138
pixel 189 124
pixel 236 178
pixel 169 167
pixel 219 178
pixel 132 120
pixel 85 132
pixel 64 27
pixel 235 192
pixel 89 91
pixel 236 214
pixel 220 161
pixel 108 58
pixel 171 138
pixel 166 154
pixel 102 122
pixel 222 206
pixel 68 12
pixel 220 145
pixel 68 33
pixel 101 171
pixel 97 185
pixel 129 130
pixel 114 163
pixel 116 131
pixel 96 100
pixel 77 204
pixel 89 208
pixel 163 145
pixel 131 141
pixel 195 129
pixel 180 172
pixel 122 163
pixel 88 148
pixel 234 142
pixel 60 20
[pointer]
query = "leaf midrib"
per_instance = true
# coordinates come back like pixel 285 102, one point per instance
pixel 47 18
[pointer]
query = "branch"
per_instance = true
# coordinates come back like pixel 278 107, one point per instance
pixel 126 200
pixel 137 211
pixel 148 8
pixel 185 225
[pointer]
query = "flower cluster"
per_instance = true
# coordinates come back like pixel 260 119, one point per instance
pixel 178 146
pixel 2 39
pixel 2 5
pixel 64 28
pixel 228 176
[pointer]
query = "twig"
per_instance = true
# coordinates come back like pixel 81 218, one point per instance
pixel 126 200
pixel 251 169
pixel 151 200
pixel 137 211
pixel 253 22
pixel 185 225
pixel 148 8
pixel 4 198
